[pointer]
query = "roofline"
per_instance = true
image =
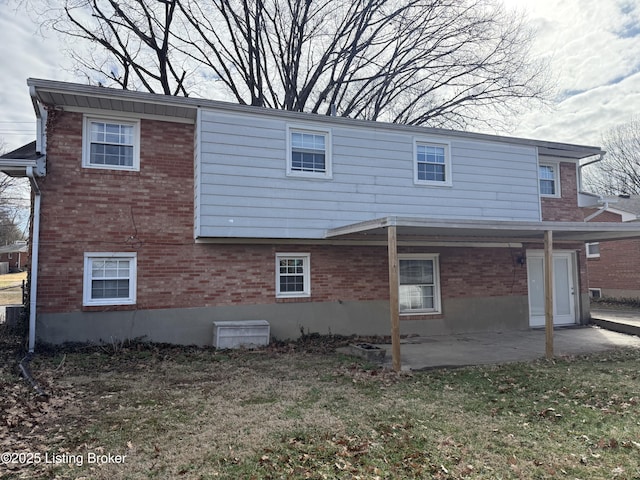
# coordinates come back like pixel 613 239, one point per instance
pixel 628 230
pixel 573 151
pixel 623 213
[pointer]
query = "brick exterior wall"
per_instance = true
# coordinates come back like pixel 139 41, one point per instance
pixel 151 212
pixel 565 208
pixel 616 270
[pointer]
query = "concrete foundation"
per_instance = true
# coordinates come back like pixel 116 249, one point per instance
pixel 618 293
pixel 194 326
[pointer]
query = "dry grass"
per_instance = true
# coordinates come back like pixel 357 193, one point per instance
pixel 290 412
pixel 10 288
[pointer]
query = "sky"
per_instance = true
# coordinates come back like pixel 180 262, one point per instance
pixel 593 47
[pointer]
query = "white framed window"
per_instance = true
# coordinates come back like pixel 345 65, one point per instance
pixel 419 289
pixel 109 278
pixel 595 292
pixel 549 179
pixel 432 162
pixel 308 152
pixel 293 275
pixel 111 143
pixel 593 250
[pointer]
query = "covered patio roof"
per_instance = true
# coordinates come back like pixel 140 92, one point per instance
pixel 393 229
pixel 485 230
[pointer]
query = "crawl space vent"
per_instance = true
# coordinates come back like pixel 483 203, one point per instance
pixel 243 333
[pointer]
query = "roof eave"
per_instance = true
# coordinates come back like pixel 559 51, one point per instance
pixel 19 167
pixel 187 107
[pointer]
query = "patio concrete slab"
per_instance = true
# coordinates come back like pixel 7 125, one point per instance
pixel 419 353
pixel 623 321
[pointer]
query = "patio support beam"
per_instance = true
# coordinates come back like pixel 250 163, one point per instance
pixel 394 304
pixel 548 293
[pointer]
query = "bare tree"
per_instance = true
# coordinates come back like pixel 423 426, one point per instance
pixel 619 171
pixel 425 62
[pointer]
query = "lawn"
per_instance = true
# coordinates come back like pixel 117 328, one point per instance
pixel 11 288
pixel 302 411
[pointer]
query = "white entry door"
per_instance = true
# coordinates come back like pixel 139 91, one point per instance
pixel 564 300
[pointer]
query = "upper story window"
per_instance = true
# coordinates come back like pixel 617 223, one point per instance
pixel 548 177
pixel 419 283
pixel 293 275
pixel 432 163
pixel 309 153
pixel 111 143
pixel 109 279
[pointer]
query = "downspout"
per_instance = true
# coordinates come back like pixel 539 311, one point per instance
pixel 580 167
pixel 601 200
pixel 35 244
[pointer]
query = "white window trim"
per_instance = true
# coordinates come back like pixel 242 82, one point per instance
pixel 306 265
pixel 87 301
pixel 86 142
pixel 447 161
pixel 591 290
pixel 437 299
pixel 328 173
pixel 592 255
pixel 556 178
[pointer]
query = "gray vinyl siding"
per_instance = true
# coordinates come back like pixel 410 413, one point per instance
pixel 242 189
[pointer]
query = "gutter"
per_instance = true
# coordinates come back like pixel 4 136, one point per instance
pixel 35 245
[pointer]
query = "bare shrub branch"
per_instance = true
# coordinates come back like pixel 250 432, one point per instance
pixel 619 171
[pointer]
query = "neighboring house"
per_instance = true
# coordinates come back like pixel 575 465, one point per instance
pixel 14 257
pixel 155 216
pixel 614 267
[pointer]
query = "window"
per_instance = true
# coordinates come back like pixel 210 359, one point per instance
pixel 109 279
pixel 548 176
pixel 595 292
pixel 432 163
pixel 419 284
pixel 593 250
pixel 112 144
pixel 309 153
pixel 293 277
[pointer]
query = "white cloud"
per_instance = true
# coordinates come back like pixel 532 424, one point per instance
pixel 593 46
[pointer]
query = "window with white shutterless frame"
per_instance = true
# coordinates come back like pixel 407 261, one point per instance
pixel 111 143
pixel 549 179
pixel 593 250
pixel 109 278
pixel 293 275
pixel 432 162
pixel 309 152
pixel 419 284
